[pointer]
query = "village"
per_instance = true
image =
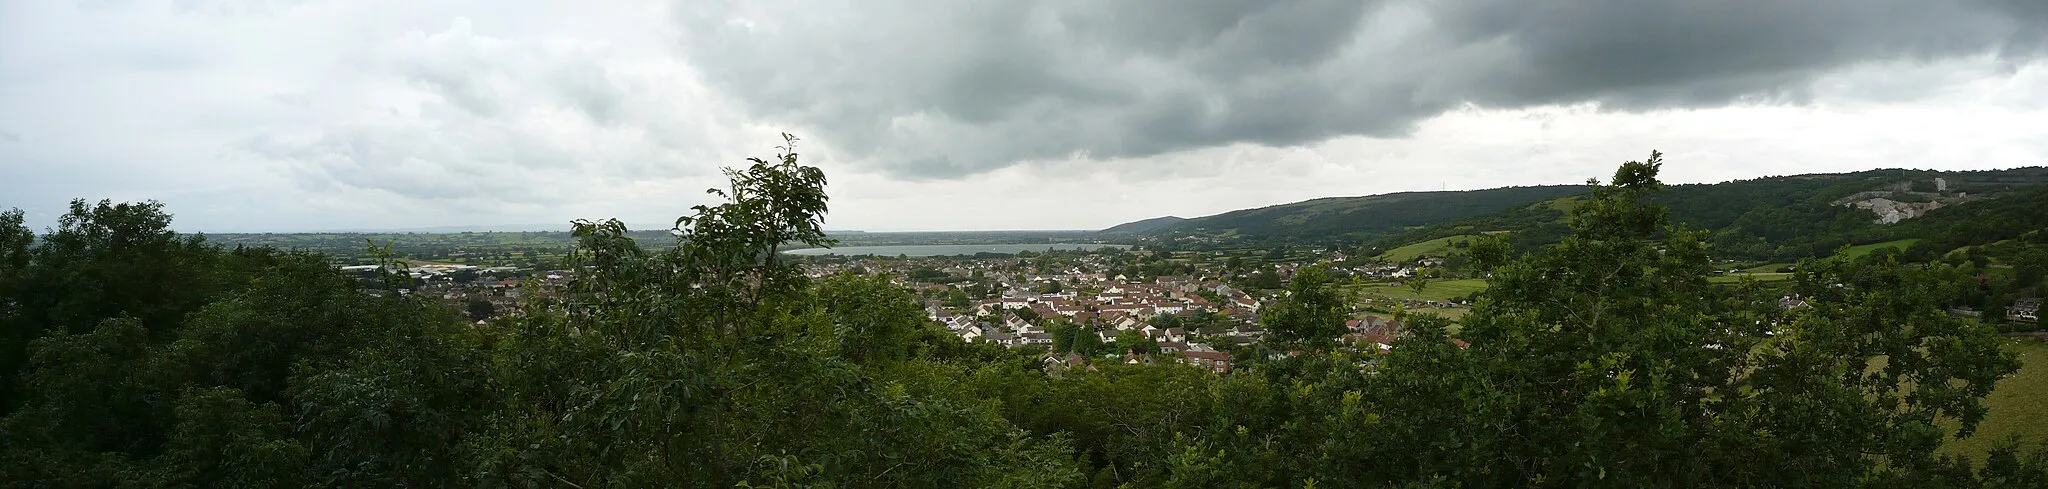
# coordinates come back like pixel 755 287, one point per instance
pixel 1077 307
pixel 1203 310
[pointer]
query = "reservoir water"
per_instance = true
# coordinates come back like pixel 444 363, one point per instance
pixel 948 249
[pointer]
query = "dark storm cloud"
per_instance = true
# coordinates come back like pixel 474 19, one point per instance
pixel 941 89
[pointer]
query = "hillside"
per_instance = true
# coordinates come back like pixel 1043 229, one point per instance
pixel 1144 226
pixel 1356 218
pixel 1790 217
pixel 1434 247
pixel 1769 218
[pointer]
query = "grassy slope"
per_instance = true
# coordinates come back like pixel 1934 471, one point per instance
pixel 1860 250
pixel 1437 290
pixel 1434 247
pixel 2019 405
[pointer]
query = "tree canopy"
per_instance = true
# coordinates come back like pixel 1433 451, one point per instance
pixel 139 358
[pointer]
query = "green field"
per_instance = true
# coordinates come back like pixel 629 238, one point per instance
pixel 1760 277
pixel 1860 250
pixel 1439 290
pixel 2019 405
pixel 1766 268
pixel 1434 247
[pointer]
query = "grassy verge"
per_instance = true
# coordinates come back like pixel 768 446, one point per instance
pixel 2019 405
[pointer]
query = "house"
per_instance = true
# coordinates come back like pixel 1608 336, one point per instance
pixel 1035 339
pixel 1174 335
pixel 1213 361
pixel 2024 310
pixel 1085 317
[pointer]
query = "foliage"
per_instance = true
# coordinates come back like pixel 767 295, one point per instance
pixel 1312 313
pixel 1606 360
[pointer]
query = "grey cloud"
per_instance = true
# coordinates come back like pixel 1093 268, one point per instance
pixel 446 166
pixel 10 137
pixel 550 110
pixel 939 90
pixel 490 77
pixel 297 100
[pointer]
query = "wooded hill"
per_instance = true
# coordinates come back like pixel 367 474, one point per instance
pixel 1771 218
pixel 1342 217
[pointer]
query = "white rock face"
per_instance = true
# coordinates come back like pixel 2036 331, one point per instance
pixel 1891 211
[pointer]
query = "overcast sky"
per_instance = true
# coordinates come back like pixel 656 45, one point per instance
pixel 283 115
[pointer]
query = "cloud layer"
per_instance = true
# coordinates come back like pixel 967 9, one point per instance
pixel 249 115
pixel 941 90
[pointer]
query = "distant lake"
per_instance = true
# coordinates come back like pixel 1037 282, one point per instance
pixel 948 249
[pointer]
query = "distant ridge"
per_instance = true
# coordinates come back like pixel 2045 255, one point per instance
pixel 494 228
pixel 1775 218
pixel 1355 216
pixel 1144 226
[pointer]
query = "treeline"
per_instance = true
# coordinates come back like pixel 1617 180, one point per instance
pixel 140 359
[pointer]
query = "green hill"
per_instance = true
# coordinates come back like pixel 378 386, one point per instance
pixel 1791 217
pixel 1359 218
pixel 1144 226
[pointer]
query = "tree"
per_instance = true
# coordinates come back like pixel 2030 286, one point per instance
pixel 480 309
pixel 872 320
pixel 103 261
pixel 1311 314
pixel 1051 287
pixel 1266 278
pixel 222 440
pixel 955 298
pixel 1088 340
pixel 1134 342
pixel 1418 282
pixel 1622 366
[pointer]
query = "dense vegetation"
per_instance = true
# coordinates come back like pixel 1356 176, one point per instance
pixel 137 358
